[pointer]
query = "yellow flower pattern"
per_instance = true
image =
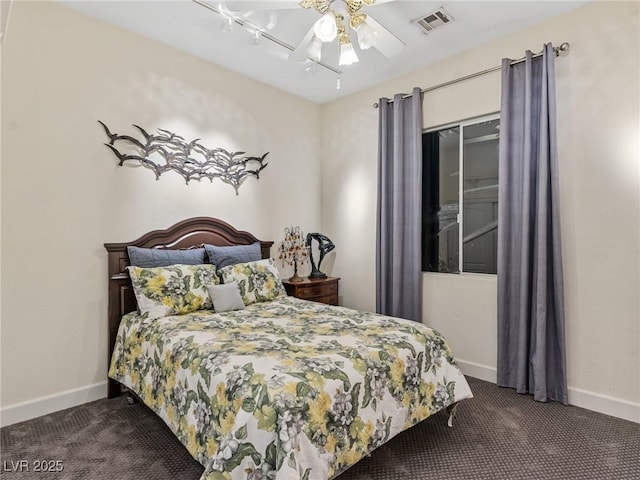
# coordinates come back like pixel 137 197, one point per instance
pixel 173 290
pixel 257 390
pixel 258 281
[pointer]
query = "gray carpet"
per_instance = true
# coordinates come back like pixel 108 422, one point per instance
pixel 499 434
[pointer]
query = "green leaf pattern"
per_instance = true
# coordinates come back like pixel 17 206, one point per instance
pixel 285 388
pixel 173 290
pixel 258 281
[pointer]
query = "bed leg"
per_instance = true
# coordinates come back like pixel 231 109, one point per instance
pixel 451 410
pixel 113 388
pixel 131 400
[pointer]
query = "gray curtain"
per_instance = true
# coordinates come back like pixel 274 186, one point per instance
pixel 398 262
pixel 531 344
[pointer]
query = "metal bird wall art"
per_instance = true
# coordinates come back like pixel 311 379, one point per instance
pixel 167 151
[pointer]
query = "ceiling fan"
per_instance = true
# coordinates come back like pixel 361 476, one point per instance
pixel 339 19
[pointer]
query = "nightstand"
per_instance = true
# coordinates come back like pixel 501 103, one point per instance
pixel 323 290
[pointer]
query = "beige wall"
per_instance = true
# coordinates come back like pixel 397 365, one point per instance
pixel 598 110
pixel 63 195
pixel 0 215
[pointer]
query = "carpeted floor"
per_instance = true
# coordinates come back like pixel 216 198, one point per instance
pixel 499 434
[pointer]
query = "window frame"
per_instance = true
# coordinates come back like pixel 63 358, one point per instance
pixel 460 216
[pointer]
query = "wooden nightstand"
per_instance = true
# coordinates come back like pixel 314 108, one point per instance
pixel 323 290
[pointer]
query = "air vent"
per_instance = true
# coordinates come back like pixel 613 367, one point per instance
pixel 433 20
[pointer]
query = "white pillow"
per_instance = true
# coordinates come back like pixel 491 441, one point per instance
pixel 226 297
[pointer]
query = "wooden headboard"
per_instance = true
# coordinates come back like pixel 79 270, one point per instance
pixel 188 233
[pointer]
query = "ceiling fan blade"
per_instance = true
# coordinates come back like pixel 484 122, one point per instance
pixel 387 43
pixel 299 54
pixel 255 5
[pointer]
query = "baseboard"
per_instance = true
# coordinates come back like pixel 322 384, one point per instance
pixel 477 370
pixel 616 407
pixel 596 402
pixel 19 412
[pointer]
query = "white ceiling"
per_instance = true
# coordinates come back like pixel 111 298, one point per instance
pixel 192 28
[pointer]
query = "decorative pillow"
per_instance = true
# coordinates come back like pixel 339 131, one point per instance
pixel 224 256
pixel 172 290
pixel 225 297
pixel 258 281
pixel 156 257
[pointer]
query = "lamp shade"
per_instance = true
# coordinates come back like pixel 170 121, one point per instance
pixel 347 54
pixel 367 36
pixel 325 28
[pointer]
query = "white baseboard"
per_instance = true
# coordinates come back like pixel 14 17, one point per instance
pixel 477 370
pixel 19 412
pixel 596 402
pixel 616 407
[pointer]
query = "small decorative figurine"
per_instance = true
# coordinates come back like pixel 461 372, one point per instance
pixel 293 250
pixel 324 246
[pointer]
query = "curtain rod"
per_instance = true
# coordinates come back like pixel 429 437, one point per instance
pixel 564 47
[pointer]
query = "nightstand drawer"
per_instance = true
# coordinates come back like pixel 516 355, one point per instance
pixel 318 290
pixel 323 290
pixel 328 299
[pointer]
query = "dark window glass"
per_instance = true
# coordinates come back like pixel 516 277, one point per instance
pixel 444 230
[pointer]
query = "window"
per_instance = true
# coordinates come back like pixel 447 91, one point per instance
pixel 460 197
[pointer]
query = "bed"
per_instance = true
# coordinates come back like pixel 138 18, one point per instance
pixel 282 389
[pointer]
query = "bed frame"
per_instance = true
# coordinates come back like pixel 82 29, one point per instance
pixel 186 234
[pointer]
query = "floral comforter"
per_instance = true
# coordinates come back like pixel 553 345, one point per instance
pixel 286 389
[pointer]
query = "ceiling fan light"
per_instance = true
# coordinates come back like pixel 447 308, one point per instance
pixel 347 54
pixel 367 36
pixel 325 28
pixel 314 50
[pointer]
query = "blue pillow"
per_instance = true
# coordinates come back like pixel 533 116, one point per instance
pixel 225 256
pixel 155 257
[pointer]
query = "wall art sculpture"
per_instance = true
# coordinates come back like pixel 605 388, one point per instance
pixel 167 151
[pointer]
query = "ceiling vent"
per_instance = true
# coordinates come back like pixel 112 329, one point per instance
pixel 433 20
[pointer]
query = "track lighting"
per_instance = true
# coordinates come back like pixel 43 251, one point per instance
pixel 227 24
pixel 314 50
